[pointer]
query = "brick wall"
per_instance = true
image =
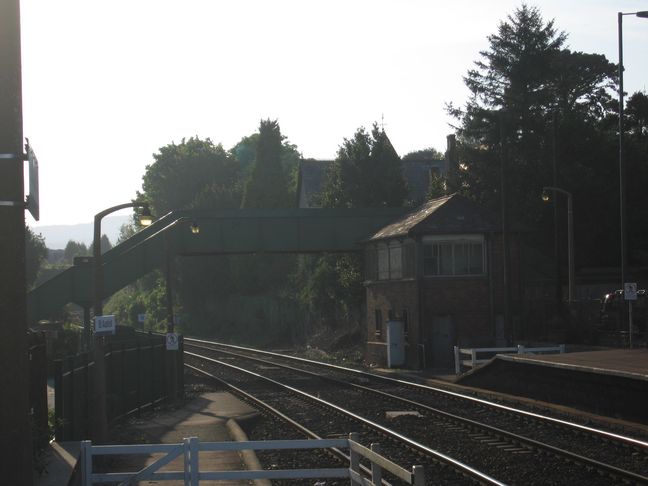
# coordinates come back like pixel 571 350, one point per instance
pixel 471 303
pixel 396 296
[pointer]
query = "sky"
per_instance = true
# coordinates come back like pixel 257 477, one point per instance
pixel 107 83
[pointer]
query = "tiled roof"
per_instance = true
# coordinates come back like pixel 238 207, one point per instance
pixel 453 214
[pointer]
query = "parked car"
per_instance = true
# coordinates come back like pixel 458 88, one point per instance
pixel 613 305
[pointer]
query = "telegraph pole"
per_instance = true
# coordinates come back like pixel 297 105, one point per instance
pixel 15 438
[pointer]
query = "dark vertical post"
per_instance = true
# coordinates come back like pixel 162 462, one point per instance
pixel 169 287
pixel 122 374
pixel 138 371
pixel 169 357
pixel 506 266
pixel 570 249
pixel 87 334
pixel 555 210
pixel 180 368
pixel 72 416
pixel 622 212
pixel 99 419
pixel 15 439
pixel 58 399
pixel 86 394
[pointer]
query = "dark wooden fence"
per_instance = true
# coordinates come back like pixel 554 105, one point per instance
pixel 38 389
pixel 138 376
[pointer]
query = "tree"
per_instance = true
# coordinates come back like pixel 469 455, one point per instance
pixel 536 101
pixel 74 249
pixel 437 186
pixel 637 115
pixel 366 173
pixel 267 186
pixel 429 153
pixel 181 173
pixel 105 244
pixel 35 255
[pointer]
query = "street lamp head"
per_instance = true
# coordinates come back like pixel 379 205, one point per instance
pixel 545 195
pixel 145 217
pixel 643 14
pixel 195 229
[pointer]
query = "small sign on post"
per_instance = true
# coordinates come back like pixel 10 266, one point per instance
pixel 33 199
pixel 172 341
pixel 141 318
pixel 104 325
pixel 630 290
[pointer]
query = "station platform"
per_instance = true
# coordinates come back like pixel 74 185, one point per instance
pixel 212 417
pixel 612 383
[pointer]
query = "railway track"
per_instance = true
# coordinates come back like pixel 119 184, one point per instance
pixel 460 439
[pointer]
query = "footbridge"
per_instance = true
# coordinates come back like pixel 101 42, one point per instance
pixel 221 232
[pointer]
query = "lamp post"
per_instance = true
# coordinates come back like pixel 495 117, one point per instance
pixel 145 220
pixel 99 418
pixel 570 237
pixel 622 175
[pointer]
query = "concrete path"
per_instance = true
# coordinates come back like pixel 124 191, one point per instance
pixel 204 417
pixel 211 417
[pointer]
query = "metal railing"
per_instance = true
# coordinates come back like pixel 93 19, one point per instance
pixel 473 360
pixel 191 474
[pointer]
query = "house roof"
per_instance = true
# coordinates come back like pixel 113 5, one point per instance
pixel 312 175
pixel 453 214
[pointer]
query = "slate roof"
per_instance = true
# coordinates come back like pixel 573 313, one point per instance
pixel 312 175
pixel 453 214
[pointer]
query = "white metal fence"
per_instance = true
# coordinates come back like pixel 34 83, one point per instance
pixel 473 360
pixel 191 474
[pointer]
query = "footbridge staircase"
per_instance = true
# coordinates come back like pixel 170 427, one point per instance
pixel 221 232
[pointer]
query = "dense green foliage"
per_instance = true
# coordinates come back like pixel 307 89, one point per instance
pixel 75 249
pixel 198 174
pixel 35 255
pixel 194 173
pixel 540 102
pixel 367 172
pixel 546 110
pixel 267 186
pixel 429 153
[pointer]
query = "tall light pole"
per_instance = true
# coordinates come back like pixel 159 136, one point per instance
pixel 622 168
pixel 570 238
pixel 145 220
pixel 99 429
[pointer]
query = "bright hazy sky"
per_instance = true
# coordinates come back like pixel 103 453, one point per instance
pixel 107 83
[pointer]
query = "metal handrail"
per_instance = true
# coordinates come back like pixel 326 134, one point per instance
pixel 191 474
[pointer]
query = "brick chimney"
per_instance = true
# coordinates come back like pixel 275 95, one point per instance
pixel 452 164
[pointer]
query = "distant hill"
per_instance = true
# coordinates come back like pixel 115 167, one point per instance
pixel 57 236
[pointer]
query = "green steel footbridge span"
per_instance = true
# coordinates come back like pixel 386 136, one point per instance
pixel 234 231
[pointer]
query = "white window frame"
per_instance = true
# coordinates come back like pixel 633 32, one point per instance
pixel 455 240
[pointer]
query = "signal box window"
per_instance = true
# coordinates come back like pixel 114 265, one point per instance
pixel 454 256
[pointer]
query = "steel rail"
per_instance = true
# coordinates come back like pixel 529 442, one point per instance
pixel 562 453
pixel 273 411
pixel 436 455
pixel 609 435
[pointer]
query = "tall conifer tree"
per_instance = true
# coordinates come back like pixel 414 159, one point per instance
pixel 267 186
